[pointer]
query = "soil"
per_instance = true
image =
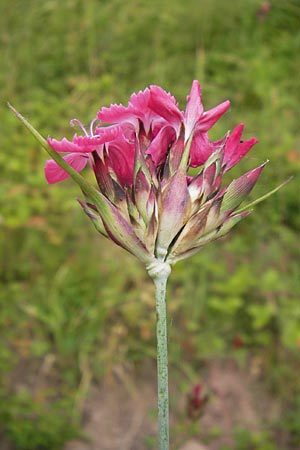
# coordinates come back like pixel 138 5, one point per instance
pixel 121 413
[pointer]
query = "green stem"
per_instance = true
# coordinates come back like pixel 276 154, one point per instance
pixel 160 278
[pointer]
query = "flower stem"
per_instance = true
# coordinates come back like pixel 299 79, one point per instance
pixel 160 281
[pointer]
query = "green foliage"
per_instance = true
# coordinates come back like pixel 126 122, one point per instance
pixel 25 416
pixel 289 421
pixel 256 441
pixel 72 305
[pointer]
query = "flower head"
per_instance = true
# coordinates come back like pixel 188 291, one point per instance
pixel 141 155
pixel 147 201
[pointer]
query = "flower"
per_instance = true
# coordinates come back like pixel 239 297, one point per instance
pixel 197 400
pixel 147 200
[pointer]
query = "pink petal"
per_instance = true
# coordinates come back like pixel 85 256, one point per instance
pixel 210 117
pixel 109 132
pixel 219 143
pixel 54 173
pixel 137 109
pixel 85 144
pixel 139 102
pixel 90 143
pixel 157 124
pixel 201 149
pixel 119 114
pixel 120 157
pixel 236 150
pixel 164 104
pixel 159 147
pixel 115 114
pixel 194 109
pixel 63 146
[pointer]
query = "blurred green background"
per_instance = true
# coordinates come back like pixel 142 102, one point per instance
pixel 72 304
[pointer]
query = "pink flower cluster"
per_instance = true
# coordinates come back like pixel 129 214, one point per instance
pixel 153 120
pixel 147 201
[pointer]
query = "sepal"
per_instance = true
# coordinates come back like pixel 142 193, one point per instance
pixel 174 205
pixel 92 213
pixel 238 189
pixel 263 197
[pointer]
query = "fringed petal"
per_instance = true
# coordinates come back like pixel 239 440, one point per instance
pixel 164 104
pixel 64 145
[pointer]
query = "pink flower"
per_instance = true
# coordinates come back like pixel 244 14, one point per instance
pixel 141 158
pixel 197 400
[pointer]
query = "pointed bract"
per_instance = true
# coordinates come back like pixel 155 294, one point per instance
pixel 174 205
pixel 93 215
pixel 142 189
pixel 238 189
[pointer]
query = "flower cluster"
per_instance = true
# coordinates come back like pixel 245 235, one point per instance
pixel 141 155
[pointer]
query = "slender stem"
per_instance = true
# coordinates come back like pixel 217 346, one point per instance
pixel 160 282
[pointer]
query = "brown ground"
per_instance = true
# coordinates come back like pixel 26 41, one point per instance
pixel 120 414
